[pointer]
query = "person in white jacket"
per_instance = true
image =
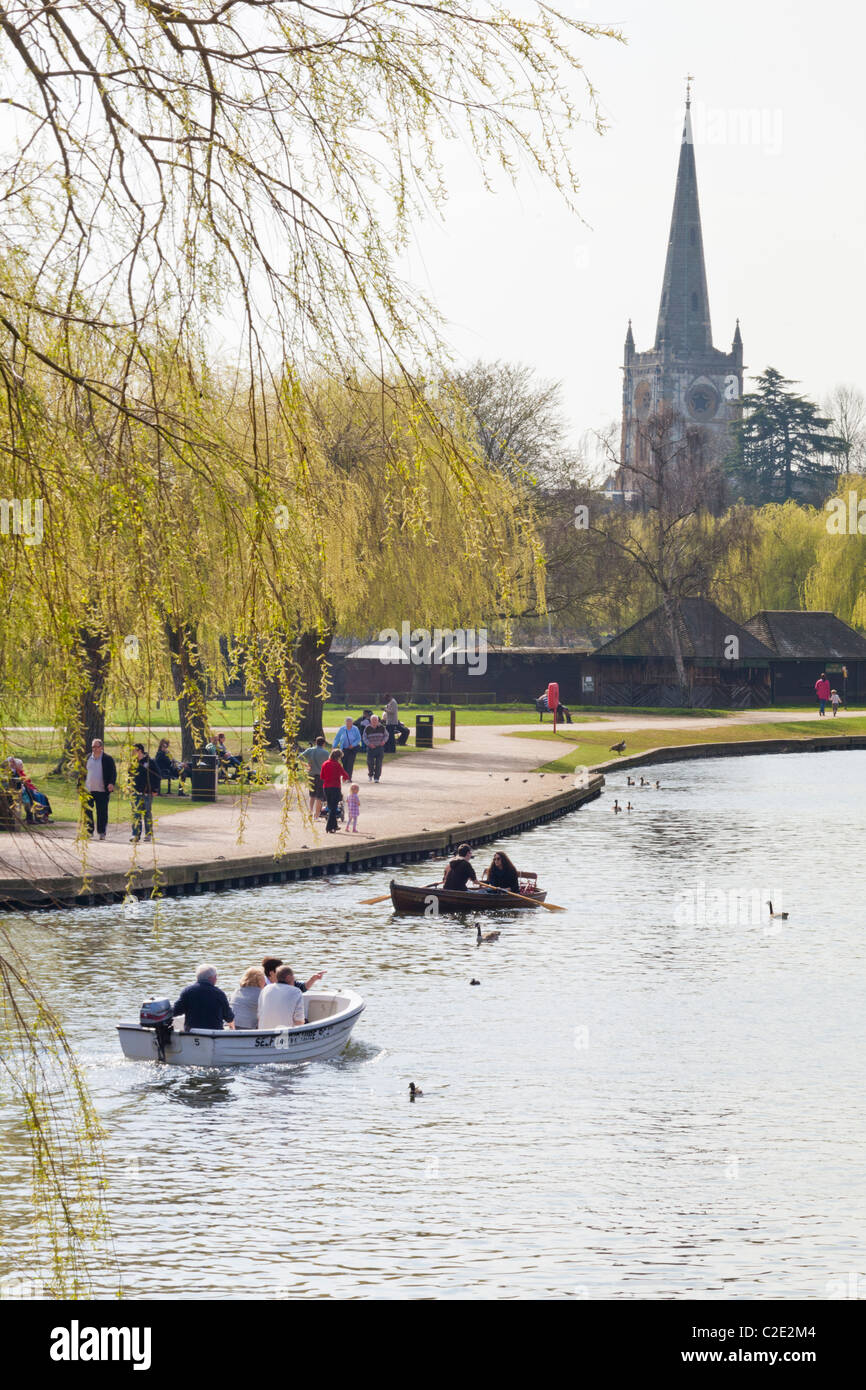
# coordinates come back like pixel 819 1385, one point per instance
pixel 281 1005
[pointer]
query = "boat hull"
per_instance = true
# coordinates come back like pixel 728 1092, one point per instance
pixel 430 900
pixel 332 1018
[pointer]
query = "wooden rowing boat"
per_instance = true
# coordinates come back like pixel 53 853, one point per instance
pixel 431 898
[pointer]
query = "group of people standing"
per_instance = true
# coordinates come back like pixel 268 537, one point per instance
pixel 145 777
pixel 329 769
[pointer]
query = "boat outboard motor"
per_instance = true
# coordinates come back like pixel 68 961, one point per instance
pixel 158 1014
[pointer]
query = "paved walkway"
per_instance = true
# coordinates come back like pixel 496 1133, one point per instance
pixel 481 772
pixel 484 772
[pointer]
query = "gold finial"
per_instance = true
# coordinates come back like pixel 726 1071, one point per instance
pixel 689 81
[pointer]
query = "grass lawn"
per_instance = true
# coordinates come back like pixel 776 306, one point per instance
pixel 235 718
pixel 587 749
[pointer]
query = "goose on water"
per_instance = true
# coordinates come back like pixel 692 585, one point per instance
pixel 616 807
pixel 780 916
pixel 485 936
pixel 413 1091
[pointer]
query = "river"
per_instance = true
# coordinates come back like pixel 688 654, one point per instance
pixel 658 1094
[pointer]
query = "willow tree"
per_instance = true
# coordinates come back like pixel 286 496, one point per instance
pixel 836 581
pixel 767 563
pixel 243 175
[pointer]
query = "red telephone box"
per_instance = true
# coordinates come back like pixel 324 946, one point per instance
pixel 553 700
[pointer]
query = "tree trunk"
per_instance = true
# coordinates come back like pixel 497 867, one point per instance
pixel 672 614
pixel 275 715
pixel 189 680
pixel 311 650
pixel 88 720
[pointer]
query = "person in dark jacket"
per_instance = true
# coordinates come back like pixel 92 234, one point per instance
pixel 502 873
pixel 168 768
pixel 460 872
pixel 202 1004
pixel 145 778
pixel 375 737
pixel 100 779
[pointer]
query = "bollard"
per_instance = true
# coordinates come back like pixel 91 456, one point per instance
pixel 453 725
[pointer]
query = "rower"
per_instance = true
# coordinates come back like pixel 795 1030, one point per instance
pixel 460 872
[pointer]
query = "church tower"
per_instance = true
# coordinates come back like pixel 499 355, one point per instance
pixel 682 369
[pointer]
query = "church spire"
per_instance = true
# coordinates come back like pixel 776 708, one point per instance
pixel 684 311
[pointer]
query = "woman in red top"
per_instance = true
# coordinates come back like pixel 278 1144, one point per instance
pixel 333 774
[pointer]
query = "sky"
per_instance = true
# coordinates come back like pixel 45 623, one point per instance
pixel 780 132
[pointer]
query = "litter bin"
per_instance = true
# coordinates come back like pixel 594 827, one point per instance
pixel 423 731
pixel 203 773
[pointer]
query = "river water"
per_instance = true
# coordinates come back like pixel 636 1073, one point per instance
pixel 658 1094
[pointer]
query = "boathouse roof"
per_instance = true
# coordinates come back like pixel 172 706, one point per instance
pixel 801 635
pixel 704 632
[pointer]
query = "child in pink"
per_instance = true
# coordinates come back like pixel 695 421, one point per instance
pixel 353 806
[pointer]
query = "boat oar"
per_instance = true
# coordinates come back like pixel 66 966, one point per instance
pixel 368 902
pixel 525 898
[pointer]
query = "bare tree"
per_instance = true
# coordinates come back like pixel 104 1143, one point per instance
pixel 520 420
pixel 676 534
pixel 846 407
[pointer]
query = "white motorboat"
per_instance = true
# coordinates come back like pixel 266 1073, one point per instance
pixel 331 1015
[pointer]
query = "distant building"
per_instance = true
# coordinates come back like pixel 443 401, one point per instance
pixel 726 665
pixel 806 643
pixel 682 369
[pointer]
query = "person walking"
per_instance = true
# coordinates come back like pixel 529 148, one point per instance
pixel 375 738
pixel 100 779
pixel 315 757
pixel 333 774
pixel 835 701
pixel 822 690
pixel 144 775
pixel 348 740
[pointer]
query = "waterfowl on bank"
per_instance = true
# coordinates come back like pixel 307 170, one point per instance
pixel 414 1091
pixel 485 936
pixel 618 747
pixel 779 916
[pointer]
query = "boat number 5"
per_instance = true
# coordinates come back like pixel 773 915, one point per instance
pixel 431 906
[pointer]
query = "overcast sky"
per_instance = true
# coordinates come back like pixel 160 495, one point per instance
pixel 779 116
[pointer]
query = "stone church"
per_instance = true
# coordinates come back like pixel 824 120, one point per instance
pixel 682 369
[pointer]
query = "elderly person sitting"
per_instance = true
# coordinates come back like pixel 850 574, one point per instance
pixel 245 1000
pixel 202 1004
pixel 281 1005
